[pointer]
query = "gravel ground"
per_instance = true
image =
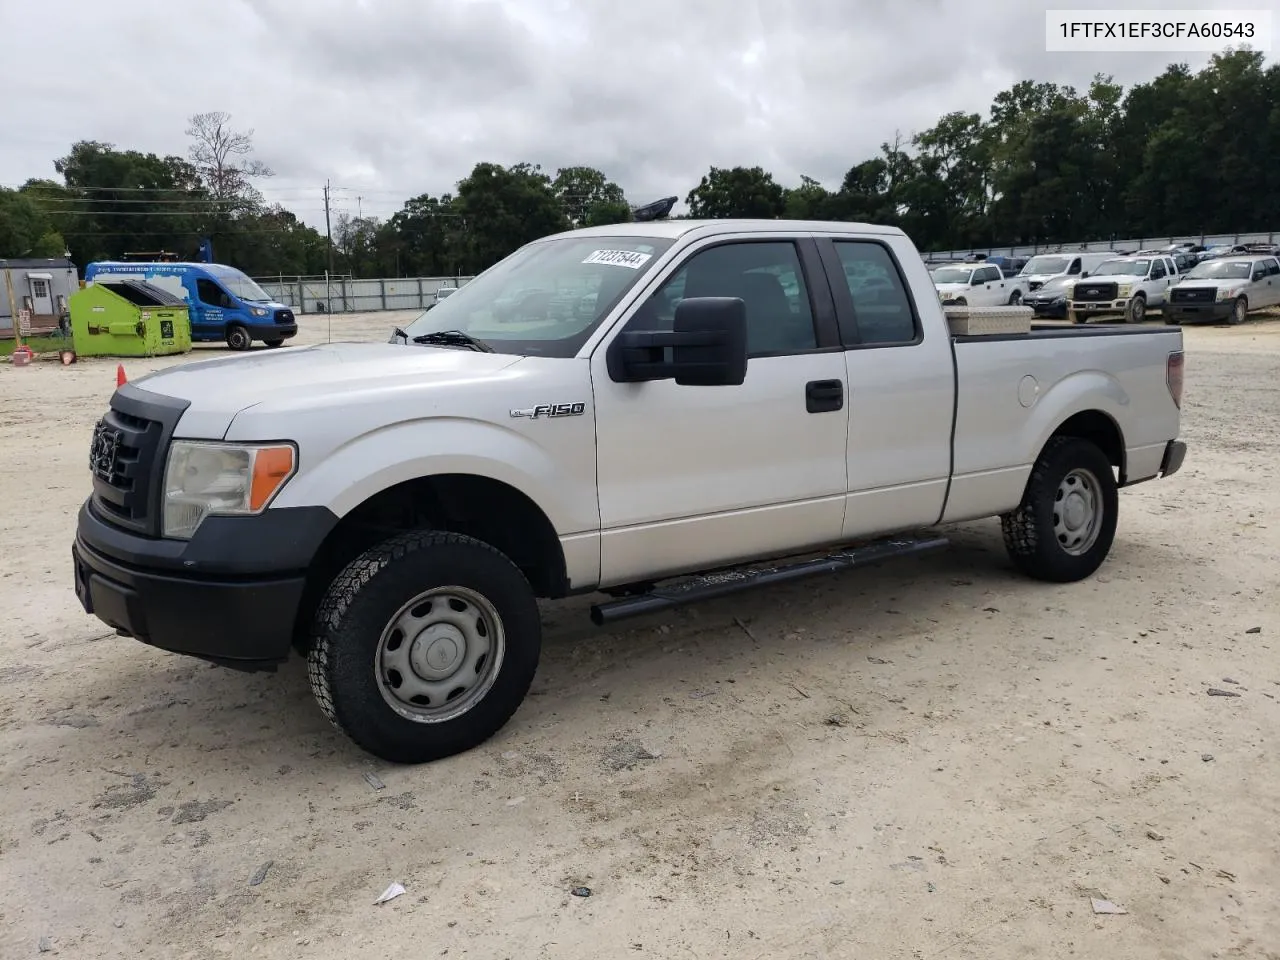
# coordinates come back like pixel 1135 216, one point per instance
pixel 935 758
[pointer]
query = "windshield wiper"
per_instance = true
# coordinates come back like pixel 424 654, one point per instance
pixel 397 332
pixel 454 338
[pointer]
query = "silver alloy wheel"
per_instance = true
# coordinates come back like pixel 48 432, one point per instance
pixel 440 654
pixel 1077 512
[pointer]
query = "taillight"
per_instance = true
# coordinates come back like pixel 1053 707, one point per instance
pixel 1173 374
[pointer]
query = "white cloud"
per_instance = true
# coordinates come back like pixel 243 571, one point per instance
pixel 392 98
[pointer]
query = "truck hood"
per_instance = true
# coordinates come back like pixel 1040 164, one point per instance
pixel 1229 283
pixel 220 388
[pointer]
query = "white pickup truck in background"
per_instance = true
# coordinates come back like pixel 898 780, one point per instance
pixel 1124 287
pixel 647 410
pixel 978 285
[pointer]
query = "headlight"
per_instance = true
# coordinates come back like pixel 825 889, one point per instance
pixel 1227 294
pixel 259 311
pixel 1124 289
pixel 1059 301
pixel 224 479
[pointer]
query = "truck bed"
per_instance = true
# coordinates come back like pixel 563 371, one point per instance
pixel 1012 393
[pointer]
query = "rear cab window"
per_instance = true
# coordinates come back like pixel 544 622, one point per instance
pixel 874 305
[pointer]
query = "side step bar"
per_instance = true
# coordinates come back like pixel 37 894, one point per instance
pixel 710 585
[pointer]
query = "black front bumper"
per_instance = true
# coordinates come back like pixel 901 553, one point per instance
pixel 272 331
pixel 1191 312
pixel 1056 309
pixel 230 595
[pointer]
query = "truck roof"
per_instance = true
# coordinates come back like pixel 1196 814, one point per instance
pixel 674 229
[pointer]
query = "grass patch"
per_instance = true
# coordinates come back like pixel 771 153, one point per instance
pixel 38 344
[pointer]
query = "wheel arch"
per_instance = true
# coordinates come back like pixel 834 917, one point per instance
pixel 1098 428
pixel 478 506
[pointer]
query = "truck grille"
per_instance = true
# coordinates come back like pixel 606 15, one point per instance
pixel 126 458
pixel 284 316
pixel 1095 292
pixel 1181 294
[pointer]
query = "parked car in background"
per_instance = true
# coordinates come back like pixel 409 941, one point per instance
pixel 1224 250
pixel 1009 266
pixel 1124 286
pixel 1226 288
pixel 1047 266
pixel 980 285
pixel 1051 299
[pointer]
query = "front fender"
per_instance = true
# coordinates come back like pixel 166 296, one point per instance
pixel 561 482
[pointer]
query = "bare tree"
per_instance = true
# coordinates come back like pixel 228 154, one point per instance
pixel 223 157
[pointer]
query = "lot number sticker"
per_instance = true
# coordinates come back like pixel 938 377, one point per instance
pixel 619 258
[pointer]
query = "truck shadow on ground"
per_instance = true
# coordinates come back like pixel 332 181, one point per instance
pixel 192 713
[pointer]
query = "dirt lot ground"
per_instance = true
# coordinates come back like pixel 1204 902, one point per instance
pixel 937 758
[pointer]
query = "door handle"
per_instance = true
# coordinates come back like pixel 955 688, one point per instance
pixel 823 396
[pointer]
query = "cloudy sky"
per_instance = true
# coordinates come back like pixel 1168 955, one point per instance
pixel 392 98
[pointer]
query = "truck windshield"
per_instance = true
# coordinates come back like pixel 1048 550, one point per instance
pixel 951 275
pixel 1221 270
pixel 547 297
pixel 240 285
pixel 1041 265
pixel 1123 268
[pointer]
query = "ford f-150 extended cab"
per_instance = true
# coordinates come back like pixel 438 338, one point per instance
pixel 657 411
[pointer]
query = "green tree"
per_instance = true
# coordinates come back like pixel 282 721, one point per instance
pixel 737 193
pixel 502 208
pixel 589 197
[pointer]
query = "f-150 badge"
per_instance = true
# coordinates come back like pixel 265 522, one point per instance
pixel 551 410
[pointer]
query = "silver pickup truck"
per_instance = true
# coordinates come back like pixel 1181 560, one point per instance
pixel 659 412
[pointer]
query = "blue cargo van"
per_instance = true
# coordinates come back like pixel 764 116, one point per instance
pixel 224 304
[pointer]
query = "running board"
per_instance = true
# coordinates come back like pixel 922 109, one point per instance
pixel 711 585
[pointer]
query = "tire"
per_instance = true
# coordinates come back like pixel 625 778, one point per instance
pixel 1042 539
pixel 238 337
pixel 1137 309
pixel 1015 298
pixel 274 341
pixel 479 607
pixel 1239 311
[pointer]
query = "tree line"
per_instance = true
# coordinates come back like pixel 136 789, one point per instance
pixel 1185 153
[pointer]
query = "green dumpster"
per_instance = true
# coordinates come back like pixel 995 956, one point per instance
pixel 128 318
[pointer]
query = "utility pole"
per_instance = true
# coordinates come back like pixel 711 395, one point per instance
pixel 328 270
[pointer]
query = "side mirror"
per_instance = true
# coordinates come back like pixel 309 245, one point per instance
pixel 1258 275
pixel 1084 275
pixel 708 344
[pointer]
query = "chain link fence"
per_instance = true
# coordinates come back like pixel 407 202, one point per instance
pixel 345 295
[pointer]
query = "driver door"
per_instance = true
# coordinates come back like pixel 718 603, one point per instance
pixel 690 477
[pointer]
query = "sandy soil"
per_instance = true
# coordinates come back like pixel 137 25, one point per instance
pixel 937 758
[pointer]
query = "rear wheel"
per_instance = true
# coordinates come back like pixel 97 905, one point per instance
pixel 424 646
pixel 1240 310
pixel 238 338
pixel 1064 527
pixel 274 341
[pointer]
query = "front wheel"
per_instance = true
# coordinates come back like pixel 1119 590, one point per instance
pixel 1015 298
pixel 424 646
pixel 1064 527
pixel 1240 310
pixel 1137 309
pixel 238 338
